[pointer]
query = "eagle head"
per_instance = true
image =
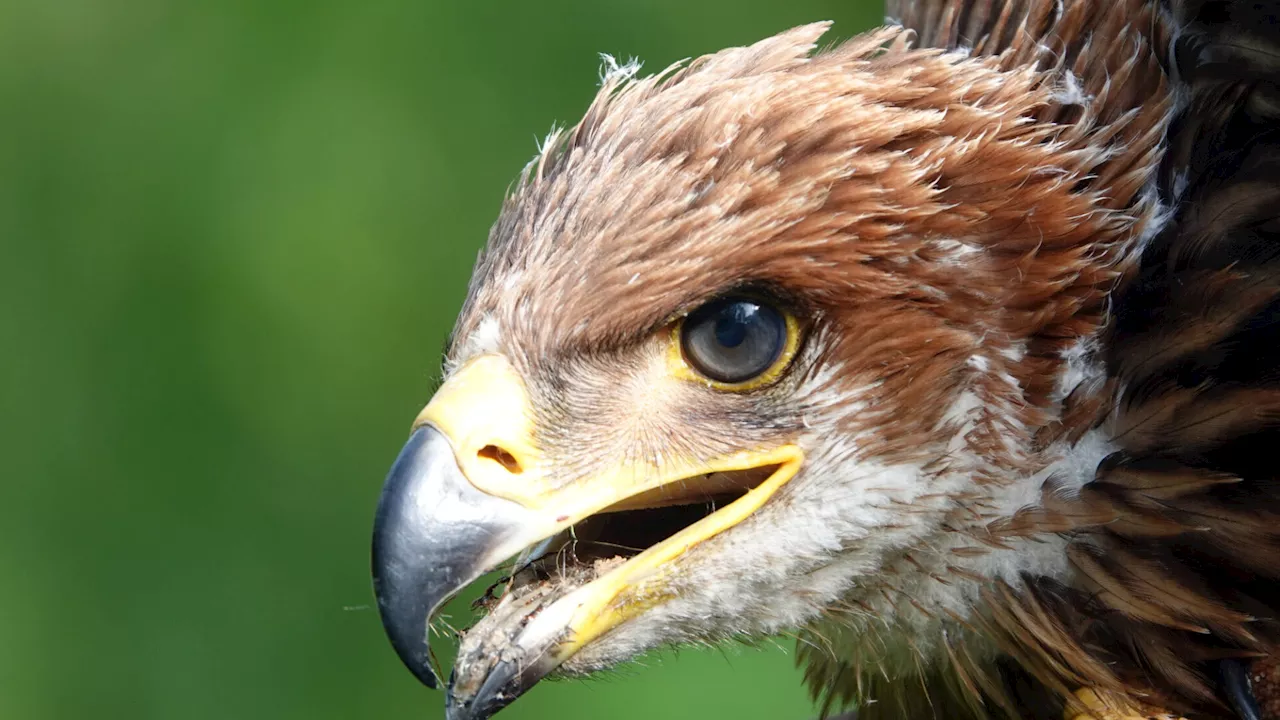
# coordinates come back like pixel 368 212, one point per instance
pixel 772 338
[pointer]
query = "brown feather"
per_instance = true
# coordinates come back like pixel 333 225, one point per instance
pixel 1178 542
pixel 991 181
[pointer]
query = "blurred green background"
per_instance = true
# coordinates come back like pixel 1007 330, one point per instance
pixel 233 237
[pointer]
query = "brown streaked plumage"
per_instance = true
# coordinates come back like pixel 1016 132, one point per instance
pixel 1030 249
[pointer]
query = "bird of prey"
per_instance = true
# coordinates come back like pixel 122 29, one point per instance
pixel 953 348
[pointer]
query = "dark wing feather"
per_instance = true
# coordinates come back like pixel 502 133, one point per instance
pixel 1196 346
pixel 1186 571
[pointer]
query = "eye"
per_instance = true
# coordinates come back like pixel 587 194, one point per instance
pixel 733 340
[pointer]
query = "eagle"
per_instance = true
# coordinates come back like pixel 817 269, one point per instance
pixel 953 348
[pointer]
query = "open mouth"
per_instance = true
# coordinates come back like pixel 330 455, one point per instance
pixel 473 486
pixel 601 550
pixel 604 541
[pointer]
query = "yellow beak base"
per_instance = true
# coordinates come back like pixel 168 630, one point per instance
pixel 445 520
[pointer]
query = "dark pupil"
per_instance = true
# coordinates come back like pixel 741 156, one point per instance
pixel 733 325
pixel 733 339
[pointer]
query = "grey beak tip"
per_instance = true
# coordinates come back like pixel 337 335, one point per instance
pixel 398 585
pixel 433 533
pixel 403 629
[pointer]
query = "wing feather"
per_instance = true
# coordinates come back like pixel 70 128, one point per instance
pixel 1177 541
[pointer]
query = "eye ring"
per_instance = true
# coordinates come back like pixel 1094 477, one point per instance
pixel 736 342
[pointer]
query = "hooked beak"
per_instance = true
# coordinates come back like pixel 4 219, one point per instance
pixel 471 489
pixel 434 533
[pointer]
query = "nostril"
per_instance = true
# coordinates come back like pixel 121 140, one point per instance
pixel 502 457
